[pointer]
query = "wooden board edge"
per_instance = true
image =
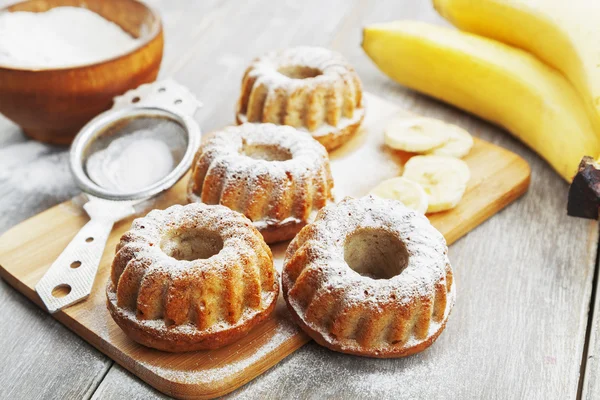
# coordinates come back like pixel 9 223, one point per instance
pixel 200 390
pixel 519 189
pixel 208 390
pixel 215 389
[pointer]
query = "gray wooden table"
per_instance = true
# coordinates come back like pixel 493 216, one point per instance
pixel 526 322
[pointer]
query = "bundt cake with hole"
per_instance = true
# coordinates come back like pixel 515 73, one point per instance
pixel 275 175
pixel 369 277
pixel 309 88
pixel 191 277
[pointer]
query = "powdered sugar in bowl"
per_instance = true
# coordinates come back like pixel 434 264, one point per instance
pixel 53 89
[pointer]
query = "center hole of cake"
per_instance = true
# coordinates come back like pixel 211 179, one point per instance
pixel 192 245
pixel 268 152
pixel 374 253
pixel 299 72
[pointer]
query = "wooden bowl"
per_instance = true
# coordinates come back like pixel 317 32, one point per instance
pixel 51 105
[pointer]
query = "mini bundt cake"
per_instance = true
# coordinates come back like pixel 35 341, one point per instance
pixel 275 175
pixel 191 277
pixel 309 88
pixel 369 277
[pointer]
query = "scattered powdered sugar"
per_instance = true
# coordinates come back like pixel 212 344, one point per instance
pixel 325 374
pixel 131 162
pixel 230 60
pixel 363 162
pixel 33 177
pixel 284 331
pixel 60 37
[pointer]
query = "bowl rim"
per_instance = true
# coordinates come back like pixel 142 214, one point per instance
pixel 156 32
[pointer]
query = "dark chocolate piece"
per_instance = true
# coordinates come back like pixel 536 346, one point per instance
pixel 584 193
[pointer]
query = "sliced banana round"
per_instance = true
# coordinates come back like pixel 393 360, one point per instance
pixel 410 193
pixel 416 134
pixel 459 143
pixel 444 179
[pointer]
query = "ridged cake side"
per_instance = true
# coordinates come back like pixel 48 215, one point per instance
pixel 275 175
pixel 165 297
pixel 356 314
pixel 309 88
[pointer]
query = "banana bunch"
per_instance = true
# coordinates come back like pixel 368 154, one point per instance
pixel 563 34
pixel 498 82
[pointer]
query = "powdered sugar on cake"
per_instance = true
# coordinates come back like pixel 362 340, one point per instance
pixel 311 88
pixel 426 278
pixel 190 276
pixel 275 175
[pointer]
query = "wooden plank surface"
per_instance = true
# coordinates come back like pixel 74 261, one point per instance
pixel 498 177
pixel 524 276
pixel 590 388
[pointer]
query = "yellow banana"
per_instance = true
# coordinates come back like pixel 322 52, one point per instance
pixel 565 34
pixel 497 82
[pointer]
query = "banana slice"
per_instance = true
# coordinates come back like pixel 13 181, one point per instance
pixel 458 145
pixel 410 193
pixel 416 134
pixel 444 179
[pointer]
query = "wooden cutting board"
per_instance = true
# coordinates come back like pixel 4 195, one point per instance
pixel 27 250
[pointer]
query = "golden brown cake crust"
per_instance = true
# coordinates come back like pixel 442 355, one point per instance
pixel 361 351
pixel 191 277
pixel 369 277
pixel 176 343
pixel 275 175
pixel 310 88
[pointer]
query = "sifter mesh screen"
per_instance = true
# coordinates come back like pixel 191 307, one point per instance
pixel 134 152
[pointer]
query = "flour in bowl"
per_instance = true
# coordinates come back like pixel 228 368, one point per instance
pixel 58 38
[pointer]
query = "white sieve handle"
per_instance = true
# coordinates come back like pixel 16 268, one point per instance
pixel 71 277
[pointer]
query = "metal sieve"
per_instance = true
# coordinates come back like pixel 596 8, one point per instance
pixel 120 159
